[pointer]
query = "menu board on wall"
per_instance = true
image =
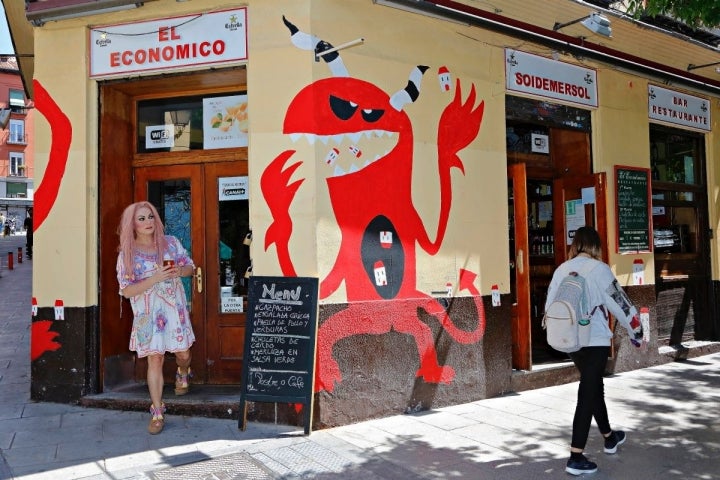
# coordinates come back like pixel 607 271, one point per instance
pixel 279 355
pixel 633 209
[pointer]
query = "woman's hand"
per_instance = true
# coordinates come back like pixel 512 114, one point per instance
pixel 165 273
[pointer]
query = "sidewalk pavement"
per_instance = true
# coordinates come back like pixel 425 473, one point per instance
pixel 670 414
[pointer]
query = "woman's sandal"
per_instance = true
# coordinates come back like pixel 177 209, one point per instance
pixel 157 422
pixel 182 381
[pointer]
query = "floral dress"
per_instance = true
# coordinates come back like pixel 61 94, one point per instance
pixel 161 321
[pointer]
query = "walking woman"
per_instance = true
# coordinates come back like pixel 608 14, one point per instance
pixel 603 294
pixel 149 267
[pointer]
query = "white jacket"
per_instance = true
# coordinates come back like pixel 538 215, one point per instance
pixel 602 289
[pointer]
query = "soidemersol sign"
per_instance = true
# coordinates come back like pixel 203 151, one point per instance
pixel 200 39
pixel 536 75
pixel 678 108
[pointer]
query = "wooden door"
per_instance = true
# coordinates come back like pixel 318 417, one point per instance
pixel 520 268
pixel 195 207
pixel 227 263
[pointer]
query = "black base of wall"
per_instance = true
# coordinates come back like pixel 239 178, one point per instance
pixel 66 367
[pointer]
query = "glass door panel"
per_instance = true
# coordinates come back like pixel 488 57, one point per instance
pixel 177 193
pixel 173 201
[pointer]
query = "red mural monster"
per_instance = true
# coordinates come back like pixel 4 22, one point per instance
pixel 373 206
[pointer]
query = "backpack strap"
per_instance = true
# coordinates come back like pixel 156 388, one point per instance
pixel 586 269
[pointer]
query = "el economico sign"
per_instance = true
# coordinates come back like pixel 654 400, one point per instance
pixel 200 39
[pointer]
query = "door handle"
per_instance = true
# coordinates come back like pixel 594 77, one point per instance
pixel 199 279
pixel 519 262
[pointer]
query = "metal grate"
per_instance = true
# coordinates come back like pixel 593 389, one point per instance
pixel 238 466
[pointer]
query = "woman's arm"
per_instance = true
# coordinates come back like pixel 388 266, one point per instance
pixel 186 271
pixel 161 274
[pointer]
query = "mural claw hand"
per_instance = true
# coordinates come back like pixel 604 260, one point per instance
pixel 42 339
pixel 279 193
pixel 459 125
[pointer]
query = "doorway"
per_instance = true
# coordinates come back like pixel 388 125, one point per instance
pixel 551 193
pixel 201 194
pixel 194 206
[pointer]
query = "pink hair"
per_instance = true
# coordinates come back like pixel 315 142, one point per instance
pixel 126 231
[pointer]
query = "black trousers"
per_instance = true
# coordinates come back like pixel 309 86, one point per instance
pixel 590 361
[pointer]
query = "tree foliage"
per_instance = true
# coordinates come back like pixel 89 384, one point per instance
pixel 697 13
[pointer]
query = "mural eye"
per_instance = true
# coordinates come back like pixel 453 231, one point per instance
pixel 343 109
pixel 372 115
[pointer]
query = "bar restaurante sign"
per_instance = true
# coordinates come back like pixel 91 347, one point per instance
pixel 192 40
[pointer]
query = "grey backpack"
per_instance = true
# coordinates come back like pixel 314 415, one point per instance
pixel 567 318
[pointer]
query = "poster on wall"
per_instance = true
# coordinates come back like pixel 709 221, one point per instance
pixel 225 122
pixel 574 218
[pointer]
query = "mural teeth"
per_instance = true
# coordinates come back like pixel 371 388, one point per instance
pixel 295 136
pixel 353 168
pixel 310 137
pixel 324 139
pixel 339 172
pixel 355 137
pixel 338 139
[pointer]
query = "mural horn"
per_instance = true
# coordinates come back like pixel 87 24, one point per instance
pixel 411 91
pixel 305 41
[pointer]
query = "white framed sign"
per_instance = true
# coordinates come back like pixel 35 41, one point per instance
pixel 545 77
pixel 679 108
pixel 159 136
pixel 233 188
pixel 207 38
pixel 231 305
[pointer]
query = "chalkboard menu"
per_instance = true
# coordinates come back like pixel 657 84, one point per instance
pixel 279 355
pixel 632 198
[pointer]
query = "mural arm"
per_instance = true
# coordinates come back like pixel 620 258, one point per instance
pixel 61 134
pixel 459 125
pixel 279 194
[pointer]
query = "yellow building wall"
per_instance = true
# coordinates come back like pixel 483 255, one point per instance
pixel 394 42
pixel 65 260
pixel 621 137
pixel 477 234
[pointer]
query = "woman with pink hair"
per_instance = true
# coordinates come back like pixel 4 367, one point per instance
pixel 149 267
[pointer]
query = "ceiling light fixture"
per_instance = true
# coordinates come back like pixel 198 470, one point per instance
pixel 39 14
pixel 595 22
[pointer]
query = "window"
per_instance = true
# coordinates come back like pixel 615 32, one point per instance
pixel 16 190
pixel 17 132
pixel 17 100
pixel 17 164
pixel 192 123
pixel 677 159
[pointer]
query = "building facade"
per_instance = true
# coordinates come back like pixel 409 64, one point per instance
pixel 428 167
pixel 16 149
